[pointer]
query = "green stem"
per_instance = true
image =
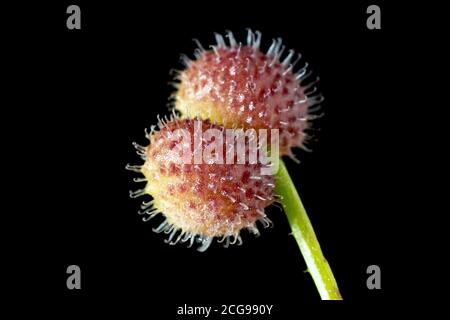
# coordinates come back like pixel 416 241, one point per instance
pixel 303 233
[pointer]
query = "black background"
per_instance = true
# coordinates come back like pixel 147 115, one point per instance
pixel 90 93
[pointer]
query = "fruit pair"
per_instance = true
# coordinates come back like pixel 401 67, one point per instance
pixel 232 85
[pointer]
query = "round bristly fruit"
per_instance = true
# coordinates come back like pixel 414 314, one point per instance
pixel 204 200
pixel 239 85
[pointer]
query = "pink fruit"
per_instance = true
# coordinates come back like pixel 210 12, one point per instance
pixel 239 85
pixel 200 201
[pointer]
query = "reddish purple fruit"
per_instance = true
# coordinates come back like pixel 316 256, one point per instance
pixel 200 201
pixel 239 85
